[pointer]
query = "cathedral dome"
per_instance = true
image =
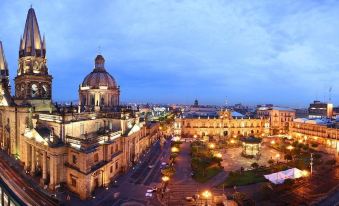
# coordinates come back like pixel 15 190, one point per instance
pixel 99 76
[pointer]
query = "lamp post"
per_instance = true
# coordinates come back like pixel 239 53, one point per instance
pixel 165 179
pixel 311 163
pixel 206 194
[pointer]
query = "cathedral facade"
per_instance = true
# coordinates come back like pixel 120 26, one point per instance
pixel 83 147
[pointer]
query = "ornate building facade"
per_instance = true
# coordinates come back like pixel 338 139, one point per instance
pixel 220 126
pixel 278 118
pixel 83 147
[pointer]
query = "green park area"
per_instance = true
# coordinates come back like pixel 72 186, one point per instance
pixel 205 165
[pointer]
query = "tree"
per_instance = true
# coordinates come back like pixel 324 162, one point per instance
pixel 255 165
pixel 288 157
pixel 168 171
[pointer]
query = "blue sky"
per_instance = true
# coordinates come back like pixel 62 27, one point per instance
pixel 167 51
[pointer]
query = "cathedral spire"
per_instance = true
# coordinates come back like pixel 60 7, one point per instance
pixel 3 63
pixel 31 43
pixel 32 81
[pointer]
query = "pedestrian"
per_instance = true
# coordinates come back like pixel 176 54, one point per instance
pixel 68 198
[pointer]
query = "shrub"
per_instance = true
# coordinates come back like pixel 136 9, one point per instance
pixel 168 171
pixel 288 157
pixel 330 162
pixel 317 156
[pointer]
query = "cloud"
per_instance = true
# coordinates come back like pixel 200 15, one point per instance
pixel 164 51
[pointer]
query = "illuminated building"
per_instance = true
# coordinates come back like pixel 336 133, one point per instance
pixel 319 109
pixel 84 147
pixel 218 125
pixel 278 118
pixel 316 130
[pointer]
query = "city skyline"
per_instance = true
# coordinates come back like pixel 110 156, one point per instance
pixel 175 52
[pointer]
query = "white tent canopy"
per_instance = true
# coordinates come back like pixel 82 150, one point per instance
pixel 280 177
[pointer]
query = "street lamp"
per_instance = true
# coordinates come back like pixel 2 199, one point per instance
pixel 232 141
pixel 272 142
pixel 290 147
pixel 165 178
pixel 211 146
pixel 305 173
pixel 174 149
pixel 218 155
pixel 206 194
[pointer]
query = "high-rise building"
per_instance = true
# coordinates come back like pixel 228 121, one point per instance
pixel 319 109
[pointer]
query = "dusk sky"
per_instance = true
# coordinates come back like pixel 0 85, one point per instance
pixel 167 51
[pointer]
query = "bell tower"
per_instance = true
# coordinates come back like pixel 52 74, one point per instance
pixel 33 84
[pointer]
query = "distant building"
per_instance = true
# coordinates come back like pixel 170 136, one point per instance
pixel 301 113
pixel 319 109
pixel 196 103
pixel 278 118
pixel 218 125
pixel 323 131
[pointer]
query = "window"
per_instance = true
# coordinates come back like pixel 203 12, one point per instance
pixel 116 165
pixel 96 157
pixel 97 126
pixel 73 181
pixel 111 169
pixel 74 159
pixel 116 148
pixel 112 150
pixel 92 100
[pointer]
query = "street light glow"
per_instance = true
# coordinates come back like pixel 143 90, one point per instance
pixel 305 173
pixel 206 194
pixel 212 146
pixel 174 149
pixel 218 155
pixel 165 178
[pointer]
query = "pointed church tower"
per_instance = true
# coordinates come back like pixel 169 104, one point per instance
pixel 5 89
pixel 33 84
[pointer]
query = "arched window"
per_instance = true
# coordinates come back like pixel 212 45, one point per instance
pixel 92 100
pixel 102 100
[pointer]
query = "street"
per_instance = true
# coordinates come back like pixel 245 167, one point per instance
pixel 132 185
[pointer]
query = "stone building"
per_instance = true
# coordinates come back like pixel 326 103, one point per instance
pixel 278 118
pixel 219 125
pixel 316 130
pixel 83 147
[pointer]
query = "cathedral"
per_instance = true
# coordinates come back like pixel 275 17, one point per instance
pixel 83 147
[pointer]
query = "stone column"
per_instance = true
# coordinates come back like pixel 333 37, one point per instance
pixel 33 160
pixel 28 156
pixel 44 165
pixel 52 166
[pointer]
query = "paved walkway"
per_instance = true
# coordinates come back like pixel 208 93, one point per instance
pixel 182 185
